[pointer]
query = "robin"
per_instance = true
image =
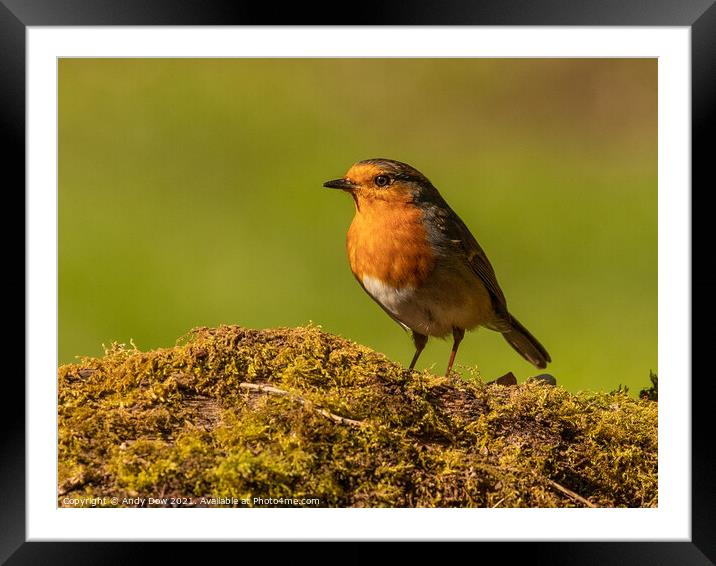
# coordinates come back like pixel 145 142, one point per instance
pixel 416 258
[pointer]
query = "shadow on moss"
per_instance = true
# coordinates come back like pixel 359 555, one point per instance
pixel 200 420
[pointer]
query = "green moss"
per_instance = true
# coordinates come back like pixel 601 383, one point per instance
pixel 176 422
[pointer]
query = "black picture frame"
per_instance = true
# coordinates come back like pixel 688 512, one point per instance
pixel 699 15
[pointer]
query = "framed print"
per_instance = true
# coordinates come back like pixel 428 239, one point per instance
pixel 196 346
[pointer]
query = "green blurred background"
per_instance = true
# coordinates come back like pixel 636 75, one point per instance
pixel 190 194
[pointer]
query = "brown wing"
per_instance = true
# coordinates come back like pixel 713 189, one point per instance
pixel 477 259
pixel 454 228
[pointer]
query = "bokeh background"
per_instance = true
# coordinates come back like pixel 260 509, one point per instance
pixel 190 194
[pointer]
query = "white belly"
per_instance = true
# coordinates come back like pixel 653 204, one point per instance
pixel 436 307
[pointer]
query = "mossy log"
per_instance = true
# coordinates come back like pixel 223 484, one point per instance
pixel 297 413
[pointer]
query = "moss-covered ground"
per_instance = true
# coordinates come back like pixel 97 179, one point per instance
pixel 298 413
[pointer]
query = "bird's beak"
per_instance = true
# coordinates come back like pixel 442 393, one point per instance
pixel 343 184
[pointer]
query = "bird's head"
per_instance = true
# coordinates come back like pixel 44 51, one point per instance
pixel 382 179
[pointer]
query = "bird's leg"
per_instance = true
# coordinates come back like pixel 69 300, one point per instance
pixel 420 340
pixel 457 334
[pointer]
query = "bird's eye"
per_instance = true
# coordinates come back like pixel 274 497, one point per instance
pixel 382 180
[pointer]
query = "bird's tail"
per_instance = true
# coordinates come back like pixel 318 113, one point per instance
pixel 527 345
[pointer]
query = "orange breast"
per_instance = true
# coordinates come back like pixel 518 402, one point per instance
pixel 387 240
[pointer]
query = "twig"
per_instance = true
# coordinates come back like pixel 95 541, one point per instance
pixel 570 493
pixel 305 402
pixel 71 486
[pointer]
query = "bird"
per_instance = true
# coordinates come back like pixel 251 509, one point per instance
pixel 417 259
